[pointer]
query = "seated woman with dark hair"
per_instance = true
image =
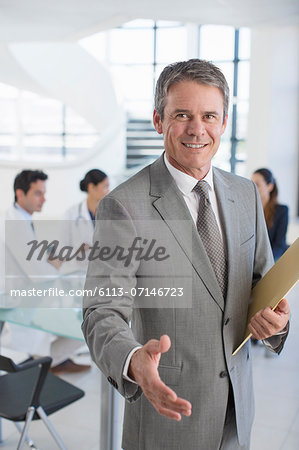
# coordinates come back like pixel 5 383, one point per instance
pixel 276 215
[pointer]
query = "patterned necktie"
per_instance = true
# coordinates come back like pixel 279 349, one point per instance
pixel 210 235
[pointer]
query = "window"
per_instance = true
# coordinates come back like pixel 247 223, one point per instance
pixel 38 128
pixel 135 54
pixel 232 57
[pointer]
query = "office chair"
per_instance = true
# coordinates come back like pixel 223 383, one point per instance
pixel 28 391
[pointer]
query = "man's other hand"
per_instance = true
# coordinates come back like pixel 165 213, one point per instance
pixel 55 262
pixel 144 370
pixel 266 323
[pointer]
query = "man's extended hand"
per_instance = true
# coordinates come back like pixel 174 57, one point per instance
pixel 266 323
pixel 144 370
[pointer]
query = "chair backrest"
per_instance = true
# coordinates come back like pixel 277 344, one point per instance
pixel 43 364
pixel 7 364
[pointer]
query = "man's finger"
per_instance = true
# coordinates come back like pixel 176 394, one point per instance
pixel 262 327
pixel 181 407
pixel 161 396
pixel 283 306
pixel 268 318
pixel 160 390
pixel 274 321
pixel 162 346
pixel 256 333
pixel 168 413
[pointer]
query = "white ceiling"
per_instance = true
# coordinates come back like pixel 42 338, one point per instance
pixel 44 20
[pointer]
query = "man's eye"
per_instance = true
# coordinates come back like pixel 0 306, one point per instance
pixel 182 116
pixel 209 116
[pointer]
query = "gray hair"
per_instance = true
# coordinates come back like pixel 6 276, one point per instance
pixel 201 71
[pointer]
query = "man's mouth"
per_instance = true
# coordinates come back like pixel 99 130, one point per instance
pixel 196 146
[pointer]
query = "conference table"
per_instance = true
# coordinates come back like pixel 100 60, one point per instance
pixel 62 315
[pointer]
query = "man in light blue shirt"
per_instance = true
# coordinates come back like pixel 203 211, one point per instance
pixel 30 190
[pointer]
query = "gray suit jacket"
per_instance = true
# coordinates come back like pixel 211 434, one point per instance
pixel 203 328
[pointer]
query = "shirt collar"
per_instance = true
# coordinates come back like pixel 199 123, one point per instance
pixel 26 214
pixel 186 182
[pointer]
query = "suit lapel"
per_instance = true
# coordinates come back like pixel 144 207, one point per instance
pixel 169 202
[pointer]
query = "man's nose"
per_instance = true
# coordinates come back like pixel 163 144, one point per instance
pixel 196 127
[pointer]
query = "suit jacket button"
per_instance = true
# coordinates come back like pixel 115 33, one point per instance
pixel 113 382
pixel 223 374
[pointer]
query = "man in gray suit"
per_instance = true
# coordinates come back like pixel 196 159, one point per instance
pixel 178 351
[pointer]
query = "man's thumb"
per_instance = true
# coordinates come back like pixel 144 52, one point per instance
pixel 283 306
pixel 161 346
pixel 165 343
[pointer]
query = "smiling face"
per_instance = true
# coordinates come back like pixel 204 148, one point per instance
pixel 192 126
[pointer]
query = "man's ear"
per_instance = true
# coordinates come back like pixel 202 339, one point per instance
pixel 20 194
pixel 224 124
pixel 157 122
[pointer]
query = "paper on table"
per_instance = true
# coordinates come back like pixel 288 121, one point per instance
pixel 277 282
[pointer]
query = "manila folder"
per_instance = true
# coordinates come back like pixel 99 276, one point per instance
pixel 277 282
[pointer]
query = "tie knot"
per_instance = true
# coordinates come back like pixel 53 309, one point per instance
pixel 202 188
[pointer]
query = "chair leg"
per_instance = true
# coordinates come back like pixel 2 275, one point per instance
pixel 29 415
pixel 50 427
pixel 29 441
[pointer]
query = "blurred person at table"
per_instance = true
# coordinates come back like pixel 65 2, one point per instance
pixel 276 215
pixel 21 273
pixel 79 220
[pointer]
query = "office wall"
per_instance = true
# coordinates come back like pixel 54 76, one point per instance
pixel 273 139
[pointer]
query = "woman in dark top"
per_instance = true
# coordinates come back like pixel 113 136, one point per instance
pixel 276 215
